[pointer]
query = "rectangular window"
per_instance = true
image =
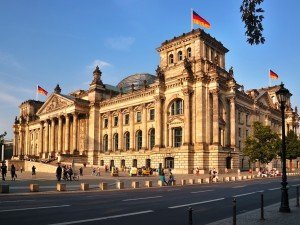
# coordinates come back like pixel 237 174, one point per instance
pixel 177 137
pixel 105 123
pixel 206 52
pixel 247 119
pixel 138 117
pixel 126 119
pixel 240 132
pixel 152 114
pixel 240 143
pixel 116 119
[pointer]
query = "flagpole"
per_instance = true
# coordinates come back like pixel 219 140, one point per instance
pixel 269 78
pixel 37 93
pixel 192 24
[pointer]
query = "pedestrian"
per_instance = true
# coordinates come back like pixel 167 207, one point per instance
pixel 13 172
pixel 98 172
pixel 81 171
pixel 171 179
pixel 21 169
pixel 106 168
pixel 70 172
pixel 163 178
pixel 65 173
pixel 3 171
pixel 58 172
pixel 33 170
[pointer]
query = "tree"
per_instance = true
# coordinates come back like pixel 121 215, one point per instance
pixel 262 145
pixel 292 146
pixel 2 138
pixel 252 17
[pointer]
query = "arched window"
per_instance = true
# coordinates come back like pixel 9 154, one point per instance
pixel 138 138
pixel 189 52
pixel 177 107
pixel 116 141
pixel 171 59
pixel 134 163
pixel 151 138
pixel 123 163
pixel 105 143
pixel 179 56
pixel 127 141
pixel 177 136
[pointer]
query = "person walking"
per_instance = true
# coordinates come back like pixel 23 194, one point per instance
pixel 3 171
pixel 70 172
pixel 33 170
pixel 171 179
pixel 58 172
pixel 21 169
pixel 13 172
pixel 81 171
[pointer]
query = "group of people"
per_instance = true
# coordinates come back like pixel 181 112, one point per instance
pixel 213 175
pixel 266 173
pixel 162 177
pixel 64 172
pixel 96 172
pixel 13 173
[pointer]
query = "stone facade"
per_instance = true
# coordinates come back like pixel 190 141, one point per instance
pixel 194 114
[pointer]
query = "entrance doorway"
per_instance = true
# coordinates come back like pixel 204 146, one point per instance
pixel 169 162
pixel 134 163
pixel 228 162
pixel 148 163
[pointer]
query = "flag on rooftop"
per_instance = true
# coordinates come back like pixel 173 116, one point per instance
pixel 41 90
pixel 273 75
pixel 199 20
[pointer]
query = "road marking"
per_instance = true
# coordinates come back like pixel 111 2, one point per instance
pixel 195 192
pixel 17 201
pixel 272 189
pixel 135 199
pixel 196 203
pixel 24 209
pixel 240 186
pixel 250 193
pixel 103 218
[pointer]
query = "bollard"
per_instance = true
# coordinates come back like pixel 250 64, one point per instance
pixel 190 210
pixel 262 217
pixel 297 192
pixel 234 212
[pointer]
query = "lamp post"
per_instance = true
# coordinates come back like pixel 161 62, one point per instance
pixel 283 96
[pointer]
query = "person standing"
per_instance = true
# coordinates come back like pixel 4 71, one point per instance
pixel 81 171
pixel 21 169
pixel 13 172
pixel 33 170
pixel 3 171
pixel 58 173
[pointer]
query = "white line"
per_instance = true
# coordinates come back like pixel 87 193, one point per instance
pixel 250 193
pixel 135 199
pixel 195 192
pixel 24 209
pixel 103 218
pixel 272 189
pixel 195 203
pixel 239 186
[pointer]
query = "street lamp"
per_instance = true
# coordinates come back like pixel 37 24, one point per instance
pixel 283 96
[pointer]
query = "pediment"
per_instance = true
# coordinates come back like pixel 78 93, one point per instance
pixel 175 119
pixel 53 103
pixel 265 100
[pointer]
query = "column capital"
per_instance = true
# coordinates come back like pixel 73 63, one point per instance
pixel 232 99
pixel 215 91
pixel 158 98
pixel 186 91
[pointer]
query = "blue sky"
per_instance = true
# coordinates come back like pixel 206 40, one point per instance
pixel 60 41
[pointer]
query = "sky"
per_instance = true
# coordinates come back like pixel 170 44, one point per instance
pixel 61 41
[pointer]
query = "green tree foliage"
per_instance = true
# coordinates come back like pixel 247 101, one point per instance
pixel 252 17
pixel 292 145
pixel 263 145
pixel 2 137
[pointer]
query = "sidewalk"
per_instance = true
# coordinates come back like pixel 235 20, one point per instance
pixel 272 216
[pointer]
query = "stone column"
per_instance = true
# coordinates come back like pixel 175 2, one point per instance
pixel 27 140
pixel 52 135
pixel 59 136
pixel 109 145
pixel 215 117
pixel 132 134
pixel 15 146
pixel 232 123
pixel 41 139
pixel 75 122
pixel 46 149
pixel 144 127
pixel 67 133
pixel 94 133
pixel 32 150
pixel 158 121
pixel 120 130
pixel 187 117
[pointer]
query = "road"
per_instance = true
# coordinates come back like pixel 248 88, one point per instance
pixel 159 206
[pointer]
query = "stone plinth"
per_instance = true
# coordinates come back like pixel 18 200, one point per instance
pixel 120 185
pixel 4 188
pixel 160 183
pixel 191 181
pixel 103 186
pixel 148 183
pixel 200 181
pixel 226 179
pixel 183 182
pixel 84 186
pixel 61 187
pixel 174 183
pixel 135 184
pixel 232 178
pixel 207 180
pixel 33 187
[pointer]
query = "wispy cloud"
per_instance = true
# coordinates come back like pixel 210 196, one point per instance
pixel 120 43
pixel 98 62
pixel 9 99
pixel 9 60
pixel 12 88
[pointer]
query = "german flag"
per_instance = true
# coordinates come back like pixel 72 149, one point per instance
pixel 200 21
pixel 273 75
pixel 41 90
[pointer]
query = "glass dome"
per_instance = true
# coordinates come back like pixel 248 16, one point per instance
pixel 136 79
